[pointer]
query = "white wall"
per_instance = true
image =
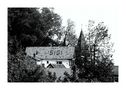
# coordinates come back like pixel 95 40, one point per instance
pixel 66 63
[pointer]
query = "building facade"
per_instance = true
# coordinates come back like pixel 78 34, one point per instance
pixel 52 55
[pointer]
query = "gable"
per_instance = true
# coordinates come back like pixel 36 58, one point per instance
pixel 56 66
pixel 50 66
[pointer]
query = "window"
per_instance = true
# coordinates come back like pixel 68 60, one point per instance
pixel 59 62
pixel 47 62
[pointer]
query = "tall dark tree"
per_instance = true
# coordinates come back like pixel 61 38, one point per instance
pixel 81 54
pixel 31 27
pixel 24 24
pixel 28 27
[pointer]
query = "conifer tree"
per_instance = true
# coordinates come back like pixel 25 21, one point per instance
pixel 80 51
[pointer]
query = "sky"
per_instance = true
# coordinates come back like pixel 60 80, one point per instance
pixel 80 16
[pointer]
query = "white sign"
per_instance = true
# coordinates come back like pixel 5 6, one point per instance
pixel 51 52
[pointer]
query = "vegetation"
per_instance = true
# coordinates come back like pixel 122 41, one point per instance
pixel 93 61
pixel 29 27
pixel 34 27
pixel 94 55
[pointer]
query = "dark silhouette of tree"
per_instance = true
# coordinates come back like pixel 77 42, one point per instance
pixel 29 27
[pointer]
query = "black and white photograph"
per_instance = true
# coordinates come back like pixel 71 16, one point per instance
pixel 62 44
pixel 42 49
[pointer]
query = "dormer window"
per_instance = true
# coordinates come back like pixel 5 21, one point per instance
pixel 47 62
pixel 59 62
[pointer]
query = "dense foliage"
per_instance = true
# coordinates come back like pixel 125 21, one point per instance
pixel 93 62
pixel 94 58
pixel 29 27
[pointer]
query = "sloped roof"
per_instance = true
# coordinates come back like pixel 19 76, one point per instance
pixel 56 66
pixel 50 52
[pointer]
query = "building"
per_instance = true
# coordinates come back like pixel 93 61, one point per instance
pixel 115 71
pixel 53 58
pixel 51 55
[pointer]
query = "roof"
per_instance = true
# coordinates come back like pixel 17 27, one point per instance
pixel 56 66
pixel 50 52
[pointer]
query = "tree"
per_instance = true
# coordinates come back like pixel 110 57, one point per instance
pixel 51 22
pixel 24 24
pixel 99 41
pixel 67 36
pixel 95 64
pixel 28 27
pixel 24 69
pixel 102 52
pixel 70 36
pixel 82 55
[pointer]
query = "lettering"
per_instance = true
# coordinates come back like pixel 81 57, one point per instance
pixel 55 52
